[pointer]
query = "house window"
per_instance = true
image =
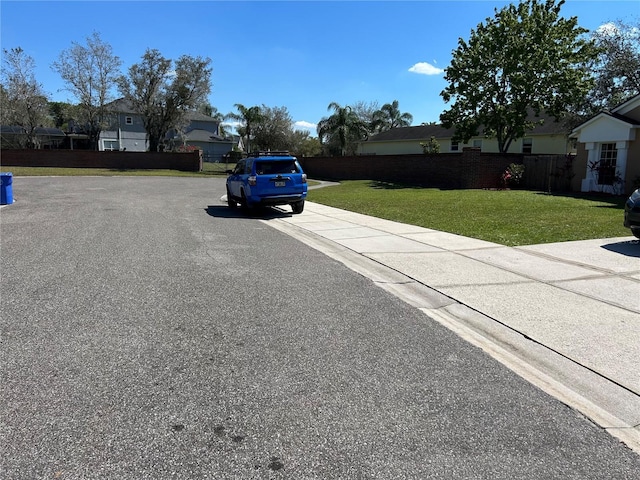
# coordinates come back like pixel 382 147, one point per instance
pixel 477 143
pixel 527 145
pixel 128 120
pixel 607 167
pixel 454 146
pixel 110 145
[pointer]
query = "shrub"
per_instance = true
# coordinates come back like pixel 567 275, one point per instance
pixel 512 176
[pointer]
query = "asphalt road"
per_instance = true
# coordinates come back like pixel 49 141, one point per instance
pixel 148 331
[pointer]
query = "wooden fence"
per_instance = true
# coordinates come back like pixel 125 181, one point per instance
pixel 190 161
pixel 467 169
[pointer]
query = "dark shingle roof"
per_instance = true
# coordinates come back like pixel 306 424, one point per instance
pixel 199 135
pixel 18 130
pixel 412 133
pixel 424 132
pixel 122 106
pixel 623 118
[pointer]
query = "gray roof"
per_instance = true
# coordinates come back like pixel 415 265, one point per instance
pixel 18 130
pixel 201 117
pixel 199 135
pixel 123 106
pixel 424 132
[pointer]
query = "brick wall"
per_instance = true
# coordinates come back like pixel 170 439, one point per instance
pixel 191 161
pixel 468 169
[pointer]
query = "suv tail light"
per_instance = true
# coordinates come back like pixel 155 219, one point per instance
pixel 304 178
pixel 252 180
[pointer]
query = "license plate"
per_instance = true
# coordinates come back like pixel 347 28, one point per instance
pixel 280 183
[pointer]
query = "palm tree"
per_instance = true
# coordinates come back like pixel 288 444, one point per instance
pixel 248 117
pixel 389 117
pixel 344 124
pixel 213 112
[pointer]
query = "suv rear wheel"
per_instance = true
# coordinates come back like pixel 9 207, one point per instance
pixel 243 201
pixel 230 201
pixel 298 207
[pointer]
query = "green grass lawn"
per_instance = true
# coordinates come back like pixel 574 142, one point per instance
pixel 507 217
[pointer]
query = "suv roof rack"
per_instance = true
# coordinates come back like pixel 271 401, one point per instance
pixel 275 153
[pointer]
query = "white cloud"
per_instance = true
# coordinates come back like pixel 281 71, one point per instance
pixel 424 68
pixel 302 125
pixel 233 125
pixel 608 29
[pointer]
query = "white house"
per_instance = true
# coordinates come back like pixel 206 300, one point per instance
pixel 608 158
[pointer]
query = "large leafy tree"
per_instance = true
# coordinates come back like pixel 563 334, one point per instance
pixel 248 118
pixel 304 145
pixel 526 60
pixel 90 72
pixel 389 116
pixel 24 102
pixel 163 91
pixel 61 113
pixel 344 126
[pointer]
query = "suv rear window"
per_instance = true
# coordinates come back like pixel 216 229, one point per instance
pixel 275 167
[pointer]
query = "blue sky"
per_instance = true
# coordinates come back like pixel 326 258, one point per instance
pixel 301 55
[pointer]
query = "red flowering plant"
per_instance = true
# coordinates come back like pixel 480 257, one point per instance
pixel 512 175
pixel 506 176
pixel 186 148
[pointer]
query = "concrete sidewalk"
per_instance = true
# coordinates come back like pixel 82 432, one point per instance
pixel 565 316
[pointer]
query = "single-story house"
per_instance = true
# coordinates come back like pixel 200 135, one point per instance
pixel 13 136
pixel 608 153
pixel 549 138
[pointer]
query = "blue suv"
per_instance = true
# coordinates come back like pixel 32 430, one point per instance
pixel 266 179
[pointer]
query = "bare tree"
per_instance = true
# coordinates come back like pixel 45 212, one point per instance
pixel 366 112
pixel 274 131
pixel 617 67
pixel 162 95
pixel 90 72
pixel 24 102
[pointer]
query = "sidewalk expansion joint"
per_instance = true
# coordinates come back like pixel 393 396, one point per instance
pixel 435 304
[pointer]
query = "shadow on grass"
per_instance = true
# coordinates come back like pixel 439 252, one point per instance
pixel 630 248
pixel 379 185
pixel 614 201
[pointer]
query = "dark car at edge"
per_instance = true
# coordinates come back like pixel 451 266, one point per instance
pixel 632 213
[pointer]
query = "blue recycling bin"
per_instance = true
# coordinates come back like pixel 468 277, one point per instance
pixel 6 188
